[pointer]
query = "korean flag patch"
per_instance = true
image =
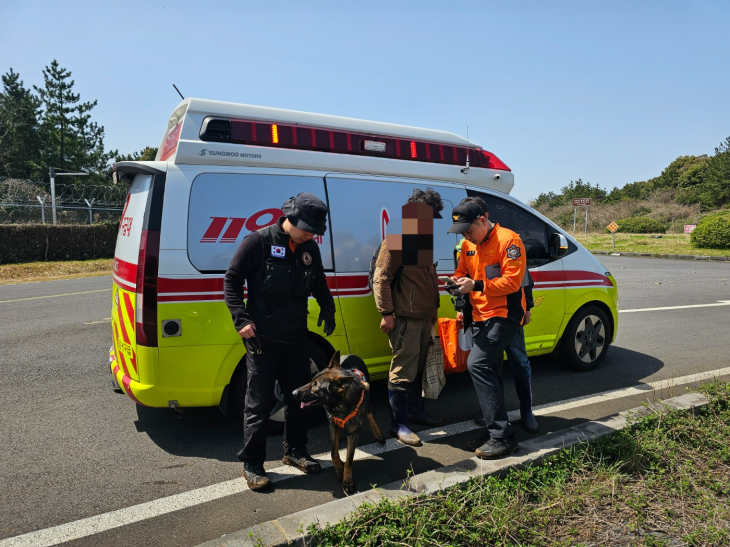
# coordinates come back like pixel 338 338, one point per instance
pixel 513 252
pixel 278 252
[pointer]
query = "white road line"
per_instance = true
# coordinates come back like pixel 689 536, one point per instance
pixel 137 513
pixel 52 296
pixel 719 303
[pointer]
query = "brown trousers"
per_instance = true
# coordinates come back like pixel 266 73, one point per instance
pixel 409 341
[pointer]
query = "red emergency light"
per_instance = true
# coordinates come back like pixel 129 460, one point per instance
pixel 300 137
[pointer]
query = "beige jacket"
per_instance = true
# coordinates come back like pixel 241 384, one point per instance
pixel 418 296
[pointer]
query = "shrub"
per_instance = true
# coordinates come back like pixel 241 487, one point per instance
pixel 640 225
pixel 713 231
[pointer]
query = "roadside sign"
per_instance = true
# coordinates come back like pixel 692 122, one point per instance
pixel 612 227
pixel 689 227
pixel 581 202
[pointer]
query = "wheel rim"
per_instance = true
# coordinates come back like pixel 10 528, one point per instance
pixel 590 338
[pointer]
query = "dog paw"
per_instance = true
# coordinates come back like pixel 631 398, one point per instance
pixel 381 440
pixel 348 487
pixel 339 473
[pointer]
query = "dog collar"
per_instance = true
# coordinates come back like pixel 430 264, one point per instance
pixel 340 422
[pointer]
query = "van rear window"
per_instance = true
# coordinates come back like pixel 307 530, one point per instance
pixel 224 208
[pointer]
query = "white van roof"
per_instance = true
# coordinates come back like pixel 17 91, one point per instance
pixel 188 121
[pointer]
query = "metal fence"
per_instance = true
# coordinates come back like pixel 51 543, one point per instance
pixel 27 202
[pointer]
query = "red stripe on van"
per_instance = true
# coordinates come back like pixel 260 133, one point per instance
pixel 129 308
pixel 205 284
pixel 126 271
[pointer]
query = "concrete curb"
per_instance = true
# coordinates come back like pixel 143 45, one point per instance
pixel 292 529
pixel 660 255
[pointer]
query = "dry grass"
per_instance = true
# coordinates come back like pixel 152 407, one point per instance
pixel 674 244
pixel 660 207
pixel 11 274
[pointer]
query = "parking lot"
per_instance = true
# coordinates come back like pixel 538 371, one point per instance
pixel 75 450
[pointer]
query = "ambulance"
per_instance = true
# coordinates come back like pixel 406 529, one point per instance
pixel 223 170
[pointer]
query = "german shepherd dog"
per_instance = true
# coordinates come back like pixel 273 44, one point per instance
pixel 344 395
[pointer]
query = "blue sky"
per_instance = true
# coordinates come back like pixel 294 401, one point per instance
pixel 610 92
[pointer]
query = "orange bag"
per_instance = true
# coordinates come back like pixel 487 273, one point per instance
pixel 454 356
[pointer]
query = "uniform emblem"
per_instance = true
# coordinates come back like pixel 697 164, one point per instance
pixel 471 253
pixel 514 252
pixel 537 301
pixel 307 259
pixel 278 252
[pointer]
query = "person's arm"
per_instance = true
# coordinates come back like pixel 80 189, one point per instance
pixel 530 303
pixel 382 278
pixel 320 290
pixel 244 264
pixel 513 264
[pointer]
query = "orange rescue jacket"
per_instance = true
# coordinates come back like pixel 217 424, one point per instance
pixel 503 254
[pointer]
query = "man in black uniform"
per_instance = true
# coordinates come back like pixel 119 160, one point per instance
pixel 281 266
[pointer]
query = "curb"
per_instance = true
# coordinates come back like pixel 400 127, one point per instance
pixel 292 529
pixel 660 255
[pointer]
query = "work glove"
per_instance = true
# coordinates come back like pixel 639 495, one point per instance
pixel 329 322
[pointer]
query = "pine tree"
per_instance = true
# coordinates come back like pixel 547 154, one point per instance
pixel 70 139
pixel 20 144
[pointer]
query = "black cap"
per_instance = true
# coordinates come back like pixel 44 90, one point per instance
pixel 464 215
pixel 307 212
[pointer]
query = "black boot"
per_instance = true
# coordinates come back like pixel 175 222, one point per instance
pixel 523 388
pixel 399 417
pixel 256 476
pixel 417 407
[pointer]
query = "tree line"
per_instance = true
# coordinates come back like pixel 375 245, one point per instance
pixel 704 180
pixel 50 126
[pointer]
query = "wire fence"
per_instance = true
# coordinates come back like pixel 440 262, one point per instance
pixel 28 202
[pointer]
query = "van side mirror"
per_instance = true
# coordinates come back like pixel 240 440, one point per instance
pixel 558 246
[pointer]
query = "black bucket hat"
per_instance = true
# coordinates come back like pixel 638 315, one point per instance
pixel 307 212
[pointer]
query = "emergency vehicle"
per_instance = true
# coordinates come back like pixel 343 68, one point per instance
pixel 224 170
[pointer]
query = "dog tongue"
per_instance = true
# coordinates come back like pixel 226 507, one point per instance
pixel 303 405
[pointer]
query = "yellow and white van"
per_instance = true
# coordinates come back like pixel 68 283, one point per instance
pixel 224 170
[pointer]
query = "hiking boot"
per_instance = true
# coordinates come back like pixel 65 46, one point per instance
pixel 416 406
pixel 256 476
pixel 300 458
pixel 494 449
pixel 398 418
pixel 477 443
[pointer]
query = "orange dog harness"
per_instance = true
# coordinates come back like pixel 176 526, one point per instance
pixel 340 422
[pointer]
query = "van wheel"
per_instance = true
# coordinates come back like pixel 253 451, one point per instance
pixel 317 361
pixel 586 339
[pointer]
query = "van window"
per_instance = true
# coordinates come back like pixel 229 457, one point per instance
pixel 531 229
pixel 359 207
pixel 224 208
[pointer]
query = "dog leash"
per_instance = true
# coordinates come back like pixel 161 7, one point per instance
pixel 340 422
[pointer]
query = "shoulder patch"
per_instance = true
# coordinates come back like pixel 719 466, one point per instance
pixel 513 252
pixel 471 253
pixel 277 251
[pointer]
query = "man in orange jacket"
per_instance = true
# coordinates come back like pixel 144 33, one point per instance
pixel 491 270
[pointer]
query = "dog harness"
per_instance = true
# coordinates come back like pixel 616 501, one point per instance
pixel 340 422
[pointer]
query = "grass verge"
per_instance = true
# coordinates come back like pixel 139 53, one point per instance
pixel 662 481
pixel 47 271
pixel 675 244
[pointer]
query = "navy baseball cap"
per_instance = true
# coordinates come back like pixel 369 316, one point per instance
pixel 463 216
pixel 307 212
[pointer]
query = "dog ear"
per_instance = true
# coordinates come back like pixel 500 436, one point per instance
pixel 335 361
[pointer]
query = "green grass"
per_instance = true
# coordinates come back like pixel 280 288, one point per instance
pixel 665 480
pixel 676 244
pixel 46 271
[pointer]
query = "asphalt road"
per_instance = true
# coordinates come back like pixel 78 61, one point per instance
pixel 72 449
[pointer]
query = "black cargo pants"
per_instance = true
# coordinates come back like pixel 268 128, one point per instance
pixel 490 338
pixel 288 363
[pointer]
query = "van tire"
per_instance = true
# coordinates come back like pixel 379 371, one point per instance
pixel 275 425
pixel 586 339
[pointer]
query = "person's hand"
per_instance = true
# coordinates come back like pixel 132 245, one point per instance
pixel 527 318
pixel 459 316
pixel 387 323
pixel 249 331
pixel 329 322
pixel 465 284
